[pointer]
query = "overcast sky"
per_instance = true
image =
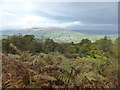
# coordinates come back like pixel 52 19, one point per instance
pixel 69 15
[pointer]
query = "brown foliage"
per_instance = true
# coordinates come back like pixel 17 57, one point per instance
pixel 15 73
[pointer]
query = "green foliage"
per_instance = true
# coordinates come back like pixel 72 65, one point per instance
pixel 67 68
pixel 66 73
pixel 105 44
pixel 84 41
pixel 116 48
pixel 98 64
pixel 102 47
pixel 24 43
pixel 65 78
pixel 84 64
pixel 90 76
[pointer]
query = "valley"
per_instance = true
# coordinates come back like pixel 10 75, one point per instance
pixel 58 34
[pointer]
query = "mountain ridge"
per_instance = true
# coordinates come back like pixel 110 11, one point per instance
pixel 58 34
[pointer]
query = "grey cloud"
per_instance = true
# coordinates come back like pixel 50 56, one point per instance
pixel 101 13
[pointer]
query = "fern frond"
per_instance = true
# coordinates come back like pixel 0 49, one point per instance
pixel 38 61
pixel 91 76
pixel 67 68
pixel 15 48
pixel 66 78
pixel 7 84
pixel 45 77
pixel 10 84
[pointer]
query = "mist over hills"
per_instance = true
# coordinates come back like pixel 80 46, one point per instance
pixel 57 34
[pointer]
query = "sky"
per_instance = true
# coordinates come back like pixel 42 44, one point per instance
pixel 68 15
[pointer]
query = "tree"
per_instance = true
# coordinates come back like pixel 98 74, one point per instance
pixel 23 43
pixel 49 45
pixel 105 44
pixel 116 48
pixel 83 41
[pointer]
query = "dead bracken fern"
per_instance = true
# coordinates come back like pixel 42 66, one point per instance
pixel 24 70
pixel 25 56
pixel 45 77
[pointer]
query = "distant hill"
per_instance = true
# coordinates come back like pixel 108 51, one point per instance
pixel 57 34
pixel 98 32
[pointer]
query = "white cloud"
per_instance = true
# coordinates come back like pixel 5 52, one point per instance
pixel 62 25
pixel 64 15
pixel 30 21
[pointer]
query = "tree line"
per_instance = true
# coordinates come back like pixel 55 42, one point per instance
pixel 102 47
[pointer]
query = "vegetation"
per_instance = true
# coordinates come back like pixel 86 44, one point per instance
pixel 57 34
pixel 44 63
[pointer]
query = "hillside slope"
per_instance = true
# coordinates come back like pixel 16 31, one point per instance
pixel 58 34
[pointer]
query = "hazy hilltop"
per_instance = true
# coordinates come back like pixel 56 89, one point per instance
pixel 57 34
